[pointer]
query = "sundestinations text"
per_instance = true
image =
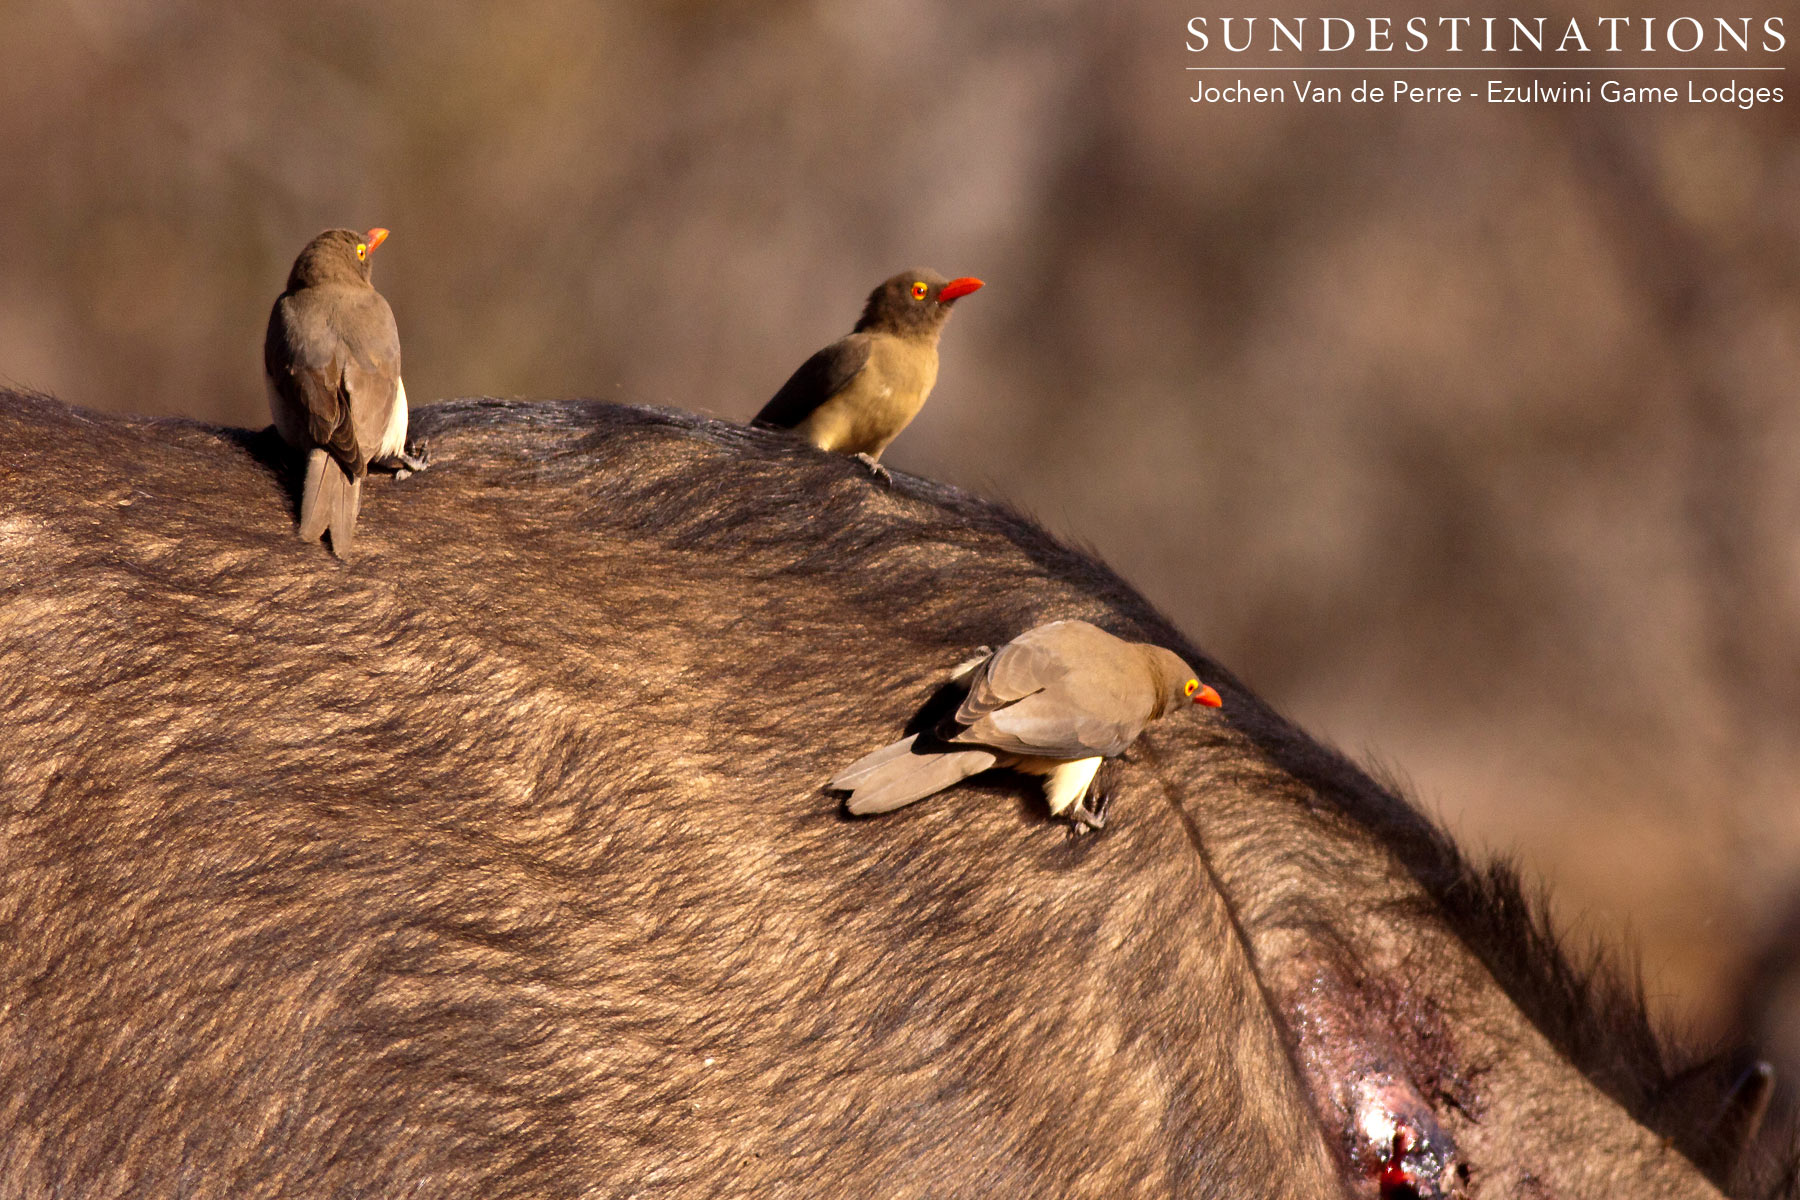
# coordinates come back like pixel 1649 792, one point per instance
pixel 1488 35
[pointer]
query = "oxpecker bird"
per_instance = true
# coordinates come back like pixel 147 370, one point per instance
pixel 332 356
pixel 1054 701
pixel 857 394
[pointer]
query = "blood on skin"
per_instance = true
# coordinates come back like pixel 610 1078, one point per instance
pixel 1397 1180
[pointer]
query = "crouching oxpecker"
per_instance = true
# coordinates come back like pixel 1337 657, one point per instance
pixel 857 394
pixel 1054 701
pixel 332 356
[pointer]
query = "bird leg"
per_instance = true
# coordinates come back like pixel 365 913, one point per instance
pixel 1086 819
pixel 875 468
pixel 413 458
pixel 1089 813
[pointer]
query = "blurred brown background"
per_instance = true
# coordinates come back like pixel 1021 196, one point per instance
pixel 1468 435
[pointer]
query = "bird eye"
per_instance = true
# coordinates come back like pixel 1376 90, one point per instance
pixel 362 252
pixel 1192 686
pixel 919 290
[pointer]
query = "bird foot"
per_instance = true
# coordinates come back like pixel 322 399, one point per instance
pixel 1090 811
pixel 404 464
pixel 1086 818
pixel 875 468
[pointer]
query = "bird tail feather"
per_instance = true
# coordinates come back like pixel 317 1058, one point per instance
pixel 895 776
pixel 329 501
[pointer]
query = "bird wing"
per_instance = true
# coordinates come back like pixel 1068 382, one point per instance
pixel 817 380
pixel 371 377
pixel 1023 666
pixel 305 360
pixel 1062 690
pixel 1061 723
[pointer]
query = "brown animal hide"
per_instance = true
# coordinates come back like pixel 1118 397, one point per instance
pixel 496 862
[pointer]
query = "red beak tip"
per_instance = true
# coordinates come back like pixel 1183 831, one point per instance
pixel 958 288
pixel 1209 698
pixel 375 237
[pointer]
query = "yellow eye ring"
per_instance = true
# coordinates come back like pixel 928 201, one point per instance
pixel 1192 686
pixel 362 252
pixel 919 290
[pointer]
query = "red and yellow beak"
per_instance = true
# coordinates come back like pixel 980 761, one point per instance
pixel 375 237
pixel 1208 697
pixel 957 288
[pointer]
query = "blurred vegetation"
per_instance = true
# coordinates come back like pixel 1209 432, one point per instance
pixel 1467 434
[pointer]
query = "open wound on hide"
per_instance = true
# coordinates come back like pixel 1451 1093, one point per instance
pixel 1378 1064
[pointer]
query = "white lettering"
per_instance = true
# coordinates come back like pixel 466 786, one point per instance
pixel 1574 31
pixel 1699 35
pixel 1519 30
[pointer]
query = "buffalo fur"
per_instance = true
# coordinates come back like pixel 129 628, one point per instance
pixel 496 861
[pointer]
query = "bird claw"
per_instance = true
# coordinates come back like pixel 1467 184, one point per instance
pixel 875 468
pixel 406 463
pixel 1086 818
